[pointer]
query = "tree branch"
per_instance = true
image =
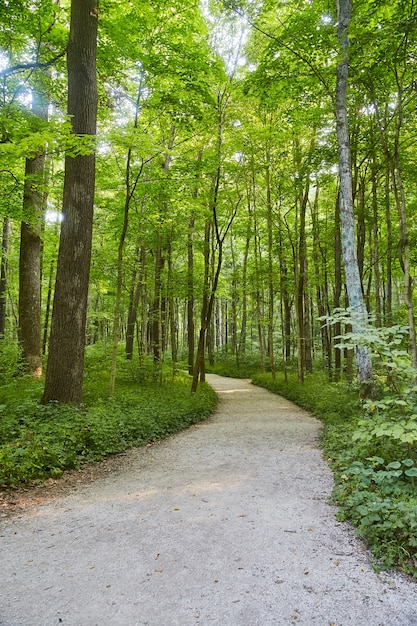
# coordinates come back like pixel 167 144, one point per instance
pixel 20 67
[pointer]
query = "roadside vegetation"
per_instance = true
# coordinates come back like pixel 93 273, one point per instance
pixel 369 444
pixel 40 441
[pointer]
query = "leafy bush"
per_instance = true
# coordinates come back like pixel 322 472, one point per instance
pixel 38 441
pixel 9 360
pixel 245 367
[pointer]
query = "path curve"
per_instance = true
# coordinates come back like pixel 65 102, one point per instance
pixel 225 524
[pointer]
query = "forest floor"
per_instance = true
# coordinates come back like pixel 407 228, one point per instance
pixel 227 523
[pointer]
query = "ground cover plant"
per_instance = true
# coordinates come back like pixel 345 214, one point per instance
pixel 39 441
pixel 370 445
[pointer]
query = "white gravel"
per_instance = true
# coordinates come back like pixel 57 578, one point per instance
pixel 227 523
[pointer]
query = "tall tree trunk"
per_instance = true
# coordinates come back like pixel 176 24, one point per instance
pixel 172 317
pixel 271 290
pixel 404 243
pixel 199 366
pixel 337 288
pixel 157 301
pixel 388 220
pixel 259 297
pixel 64 374
pixel 320 280
pixel 190 275
pixel 5 242
pixel 361 228
pixel 241 349
pixel 375 246
pixel 34 198
pixel 48 307
pixel 404 257
pixel 190 296
pixel 138 279
pixel 130 187
pixel 350 260
pixel 300 282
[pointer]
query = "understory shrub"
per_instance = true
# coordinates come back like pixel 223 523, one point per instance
pixel 39 441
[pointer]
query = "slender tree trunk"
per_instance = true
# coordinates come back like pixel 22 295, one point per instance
pixel 404 256
pixel 5 242
pixel 172 317
pixel 320 285
pixel 259 300
pixel 48 307
pixel 243 326
pixel 137 286
pixel 337 289
pixel 157 302
pixel 361 228
pixel 130 187
pixel 190 296
pixel 300 282
pixel 271 290
pixel 199 366
pixel 388 220
pixel 375 247
pixel 64 374
pixel 350 260
pixel 404 243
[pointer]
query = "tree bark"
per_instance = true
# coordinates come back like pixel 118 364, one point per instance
pixel 138 280
pixel 34 197
pixel 5 242
pixel 350 260
pixel 271 290
pixel 64 374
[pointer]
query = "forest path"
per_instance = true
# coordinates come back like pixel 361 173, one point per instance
pixel 226 523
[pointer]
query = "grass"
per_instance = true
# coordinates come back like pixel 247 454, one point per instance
pixel 37 442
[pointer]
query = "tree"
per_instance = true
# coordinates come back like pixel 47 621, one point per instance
pixel 350 260
pixel 30 253
pixel 64 374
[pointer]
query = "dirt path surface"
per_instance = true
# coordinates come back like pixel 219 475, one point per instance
pixel 226 523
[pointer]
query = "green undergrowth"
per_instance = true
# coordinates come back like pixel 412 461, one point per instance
pixel 37 442
pixel 371 448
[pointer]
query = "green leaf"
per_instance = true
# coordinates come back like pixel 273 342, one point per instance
pixel 394 465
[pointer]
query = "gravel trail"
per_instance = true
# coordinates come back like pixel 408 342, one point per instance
pixel 225 524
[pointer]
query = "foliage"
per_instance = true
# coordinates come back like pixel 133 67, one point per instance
pixel 244 367
pixel 39 441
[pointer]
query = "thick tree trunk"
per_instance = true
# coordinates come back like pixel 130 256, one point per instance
pixel 350 260
pixel 64 374
pixel 34 198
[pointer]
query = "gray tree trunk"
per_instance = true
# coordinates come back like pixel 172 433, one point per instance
pixel 350 259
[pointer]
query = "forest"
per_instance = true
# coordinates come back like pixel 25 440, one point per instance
pixel 217 185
